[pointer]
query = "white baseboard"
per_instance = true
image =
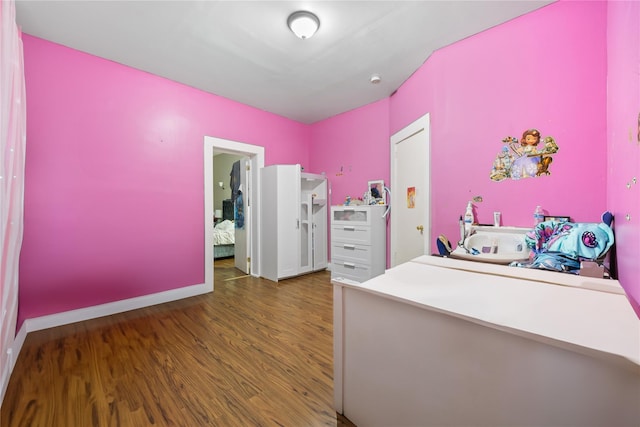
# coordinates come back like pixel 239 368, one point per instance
pixel 72 316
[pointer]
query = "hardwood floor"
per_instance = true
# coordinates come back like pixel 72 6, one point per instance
pixel 252 353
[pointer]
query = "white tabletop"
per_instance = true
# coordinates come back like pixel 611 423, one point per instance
pixel 581 314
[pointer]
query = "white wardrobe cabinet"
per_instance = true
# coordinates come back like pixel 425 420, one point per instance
pixel 358 242
pixel 294 222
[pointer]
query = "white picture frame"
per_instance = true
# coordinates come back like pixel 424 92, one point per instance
pixel 376 188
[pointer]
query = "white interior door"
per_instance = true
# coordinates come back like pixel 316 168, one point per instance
pixel 410 198
pixel 242 219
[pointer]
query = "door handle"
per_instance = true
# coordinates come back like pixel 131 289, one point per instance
pixel 420 228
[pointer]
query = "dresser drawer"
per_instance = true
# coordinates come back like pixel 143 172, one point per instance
pixel 351 215
pixel 350 270
pixel 351 252
pixel 351 234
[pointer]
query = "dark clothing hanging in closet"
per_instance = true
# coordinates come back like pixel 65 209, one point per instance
pixel 234 182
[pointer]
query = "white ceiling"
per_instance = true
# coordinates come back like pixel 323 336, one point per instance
pixel 243 50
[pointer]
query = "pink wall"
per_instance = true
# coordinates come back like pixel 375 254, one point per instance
pixel 623 138
pixel 542 70
pixel 353 149
pixel 114 195
pixel 356 142
pixel 113 199
pixel 548 70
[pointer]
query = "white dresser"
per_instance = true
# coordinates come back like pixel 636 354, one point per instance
pixel 358 242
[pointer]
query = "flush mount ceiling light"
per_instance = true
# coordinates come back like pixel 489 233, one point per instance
pixel 303 24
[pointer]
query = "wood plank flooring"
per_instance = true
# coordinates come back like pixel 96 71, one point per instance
pixel 252 353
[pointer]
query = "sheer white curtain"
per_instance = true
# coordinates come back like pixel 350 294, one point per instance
pixel 12 151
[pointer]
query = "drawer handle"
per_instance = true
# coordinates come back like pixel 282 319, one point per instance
pixel 349 264
pixel 349 228
pixel 346 246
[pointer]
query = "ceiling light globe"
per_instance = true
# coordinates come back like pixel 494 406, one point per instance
pixel 303 24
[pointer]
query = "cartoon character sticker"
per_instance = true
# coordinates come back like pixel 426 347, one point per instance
pixel 528 157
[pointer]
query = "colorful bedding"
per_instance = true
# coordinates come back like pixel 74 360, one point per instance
pixel 562 246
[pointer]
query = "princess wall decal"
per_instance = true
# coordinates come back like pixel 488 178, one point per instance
pixel 527 157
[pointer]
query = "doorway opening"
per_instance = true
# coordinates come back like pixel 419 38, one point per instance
pixel 226 178
pixel 254 158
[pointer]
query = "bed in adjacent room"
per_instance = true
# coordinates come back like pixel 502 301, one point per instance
pixel 223 239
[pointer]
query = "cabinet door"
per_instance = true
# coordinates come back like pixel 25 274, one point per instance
pixel 288 220
pixel 320 235
pixel 313 235
pixel 306 232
